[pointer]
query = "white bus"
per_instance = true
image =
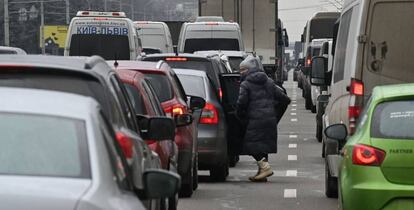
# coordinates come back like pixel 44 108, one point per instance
pixel 110 35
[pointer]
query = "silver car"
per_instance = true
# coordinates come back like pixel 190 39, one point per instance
pixel 212 141
pixel 58 151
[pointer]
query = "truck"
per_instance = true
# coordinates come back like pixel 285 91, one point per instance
pixel 263 33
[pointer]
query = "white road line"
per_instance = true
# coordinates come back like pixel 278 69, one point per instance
pixel 293 104
pixel 292 157
pixel 293 136
pixel 293 145
pixel 293 110
pixel 294 120
pixel 289 193
pixel 292 173
pixel 293 114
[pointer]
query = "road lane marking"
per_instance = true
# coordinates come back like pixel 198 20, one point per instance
pixel 292 157
pixel 293 104
pixel 293 109
pixel 293 136
pixel 292 173
pixel 294 120
pixel 293 145
pixel 293 114
pixel 289 193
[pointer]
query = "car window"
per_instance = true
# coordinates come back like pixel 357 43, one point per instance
pixel 40 145
pixel 393 119
pixel 235 63
pixel 179 87
pixel 193 85
pixel 342 43
pixel 124 102
pixel 390 45
pixel 193 45
pixel 161 85
pixel 136 99
pixel 153 98
pixel 322 28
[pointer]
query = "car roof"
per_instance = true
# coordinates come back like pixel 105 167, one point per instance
pixel 228 53
pixel 187 55
pixel 191 72
pixel 391 91
pixel 47 102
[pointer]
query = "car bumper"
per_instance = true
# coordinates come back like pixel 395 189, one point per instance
pixel 366 188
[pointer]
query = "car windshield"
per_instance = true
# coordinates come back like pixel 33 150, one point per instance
pixel 161 85
pixel 193 85
pixel 110 47
pixel 40 145
pixel 391 45
pixel 322 28
pixel 393 119
pixel 193 45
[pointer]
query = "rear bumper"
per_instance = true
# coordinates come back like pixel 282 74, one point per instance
pixel 367 188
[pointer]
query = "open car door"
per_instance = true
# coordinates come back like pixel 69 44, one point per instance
pixel 230 85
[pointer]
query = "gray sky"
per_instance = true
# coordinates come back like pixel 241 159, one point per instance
pixel 295 13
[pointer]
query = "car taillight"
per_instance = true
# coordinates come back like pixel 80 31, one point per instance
pixel 176 59
pixel 149 142
pixel 209 114
pixel 367 156
pixel 353 115
pixel 309 61
pixel 220 94
pixel 126 144
pixel 174 110
pixel 357 87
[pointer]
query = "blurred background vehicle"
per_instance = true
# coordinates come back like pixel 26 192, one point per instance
pixel 11 50
pixel 155 37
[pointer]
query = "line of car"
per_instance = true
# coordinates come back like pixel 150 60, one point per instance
pixel 364 106
pixel 155 117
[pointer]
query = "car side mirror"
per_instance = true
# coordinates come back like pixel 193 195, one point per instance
pixel 197 103
pixel 183 120
pixel 337 132
pixel 156 128
pixel 161 184
pixel 319 68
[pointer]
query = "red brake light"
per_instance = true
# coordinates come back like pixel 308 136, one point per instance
pixel 126 144
pixel 357 87
pixel 209 114
pixel 101 18
pixel 176 59
pixel 367 156
pixel 212 24
pixel 353 115
pixel 85 13
pixel 116 14
pixel 220 93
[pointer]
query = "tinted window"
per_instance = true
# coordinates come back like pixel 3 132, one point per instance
pixel 193 85
pixel 192 45
pixel 155 103
pixel 136 99
pixel 316 51
pixel 390 45
pixel 393 120
pixel 342 42
pixel 322 28
pixel 38 145
pixel 110 47
pixel 161 85
pixel 7 52
pixel 235 63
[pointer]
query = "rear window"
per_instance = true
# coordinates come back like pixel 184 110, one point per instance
pixel 192 45
pixel 4 52
pixel 390 46
pixel 393 120
pixel 39 145
pixel 161 85
pixel 316 51
pixel 235 63
pixel 110 47
pixel 193 85
pixel 136 99
pixel 322 28
pixel 205 66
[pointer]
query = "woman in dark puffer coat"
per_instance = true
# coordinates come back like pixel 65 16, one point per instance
pixel 261 104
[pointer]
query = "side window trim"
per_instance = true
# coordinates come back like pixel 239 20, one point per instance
pixel 343 39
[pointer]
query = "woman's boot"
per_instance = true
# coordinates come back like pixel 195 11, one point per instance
pixel 264 171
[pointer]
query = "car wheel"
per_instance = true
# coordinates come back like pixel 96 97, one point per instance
pixel 308 103
pixel 186 190
pixel 331 184
pixel 318 131
pixel 219 173
pixel 195 174
pixel 313 108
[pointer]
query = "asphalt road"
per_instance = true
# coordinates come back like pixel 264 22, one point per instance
pixel 298 182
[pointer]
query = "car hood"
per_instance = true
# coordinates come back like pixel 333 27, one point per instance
pixel 41 193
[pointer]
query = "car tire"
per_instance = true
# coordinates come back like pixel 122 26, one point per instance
pixel 308 102
pixel 313 109
pixel 195 173
pixel 318 130
pixel 331 184
pixel 323 149
pixel 186 190
pixel 219 173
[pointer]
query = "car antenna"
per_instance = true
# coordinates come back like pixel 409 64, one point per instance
pixel 116 64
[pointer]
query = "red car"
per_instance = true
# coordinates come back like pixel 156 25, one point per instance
pixel 146 103
pixel 173 100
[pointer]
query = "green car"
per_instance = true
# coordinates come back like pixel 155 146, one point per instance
pixel 376 164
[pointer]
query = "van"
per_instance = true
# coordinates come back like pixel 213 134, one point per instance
pixel 203 36
pixel 373 47
pixel 320 26
pixel 155 37
pixel 110 35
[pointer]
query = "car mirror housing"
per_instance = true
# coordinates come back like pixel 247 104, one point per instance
pixel 183 120
pixel 337 132
pixel 319 69
pixel 197 103
pixel 161 184
pixel 160 128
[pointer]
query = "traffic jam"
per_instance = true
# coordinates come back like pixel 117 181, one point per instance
pixel 212 113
